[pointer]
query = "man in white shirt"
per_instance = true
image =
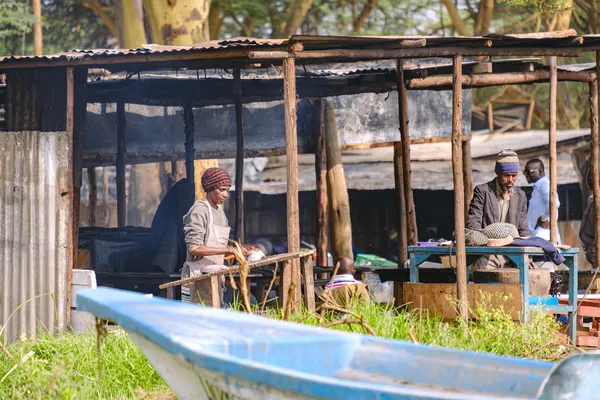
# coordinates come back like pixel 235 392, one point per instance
pixel 538 213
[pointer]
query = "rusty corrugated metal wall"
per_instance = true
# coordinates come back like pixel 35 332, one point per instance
pixel 35 213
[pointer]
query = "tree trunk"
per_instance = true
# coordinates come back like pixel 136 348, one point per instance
pixel 564 16
pixel 215 21
pixel 180 23
pixel 132 33
pixel 296 16
pixel 183 23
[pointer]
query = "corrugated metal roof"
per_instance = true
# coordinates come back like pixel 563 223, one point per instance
pixel 152 49
pixel 561 40
pixel 34 235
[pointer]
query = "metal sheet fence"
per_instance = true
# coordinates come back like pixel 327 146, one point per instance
pixel 35 213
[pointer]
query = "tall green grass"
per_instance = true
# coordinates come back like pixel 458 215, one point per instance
pixel 66 366
pixel 492 330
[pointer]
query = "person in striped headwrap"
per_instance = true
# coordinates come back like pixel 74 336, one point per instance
pixel 499 201
pixel 206 232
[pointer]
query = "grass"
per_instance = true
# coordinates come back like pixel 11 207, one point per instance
pixel 490 331
pixel 66 366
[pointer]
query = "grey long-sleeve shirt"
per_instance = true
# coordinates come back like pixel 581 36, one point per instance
pixel 196 224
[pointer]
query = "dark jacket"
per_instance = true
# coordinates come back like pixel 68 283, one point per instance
pixel 484 208
pixel 587 233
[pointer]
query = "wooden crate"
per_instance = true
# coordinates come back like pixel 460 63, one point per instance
pixel 440 298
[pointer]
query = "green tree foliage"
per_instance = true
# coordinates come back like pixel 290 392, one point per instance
pixel 543 6
pixel 66 25
pixel 15 19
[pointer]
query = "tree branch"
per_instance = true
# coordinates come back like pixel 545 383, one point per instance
pixel 457 21
pixel 479 20
pixel 488 13
pixel 96 8
pixel 359 23
pixel 471 10
pixel 296 16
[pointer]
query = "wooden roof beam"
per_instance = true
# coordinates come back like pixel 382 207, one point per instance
pixel 354 55
pixel 443 82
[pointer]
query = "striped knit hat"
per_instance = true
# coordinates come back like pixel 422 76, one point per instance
pixel 507 161
pixel 215 178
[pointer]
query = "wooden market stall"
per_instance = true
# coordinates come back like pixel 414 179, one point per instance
pixel 49 94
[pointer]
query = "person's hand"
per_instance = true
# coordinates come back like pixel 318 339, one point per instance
pixel 532 265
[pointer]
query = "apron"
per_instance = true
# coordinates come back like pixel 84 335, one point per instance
pixel 216 236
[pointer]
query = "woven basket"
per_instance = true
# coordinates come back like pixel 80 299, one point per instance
pixel 475 238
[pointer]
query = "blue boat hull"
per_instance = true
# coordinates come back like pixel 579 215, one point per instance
pixel 201 352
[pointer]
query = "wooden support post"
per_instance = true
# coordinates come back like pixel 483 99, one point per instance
pixel 402 237
pixel 121 154
pixel 459 200
pixel 75 125
pixel 467 174
pixel 70 128
pixel 552 147
pixel 595 159
pixel 400 205
pixel 239 158
pixel 188 127
pixel 337 192
pixel 291 147
pixel 93 196
pixel 322 200
pixel 411 219
pixel 285 281
pixel 37 28
pixel 309 282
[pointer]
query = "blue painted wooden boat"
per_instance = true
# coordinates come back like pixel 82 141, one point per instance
pixel 206 353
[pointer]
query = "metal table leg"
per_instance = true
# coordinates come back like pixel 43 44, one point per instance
pixel 414 269
pixel 573 276
pixel 524 278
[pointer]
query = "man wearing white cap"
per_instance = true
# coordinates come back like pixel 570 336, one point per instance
pixel 499 201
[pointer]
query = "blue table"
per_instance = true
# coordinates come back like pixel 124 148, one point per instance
pixel 520 256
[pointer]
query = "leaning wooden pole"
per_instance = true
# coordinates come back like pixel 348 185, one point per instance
pixel 321 183
pixel 411 218
pixel 459 200
pixel 188 127
pixel 595 159
pixel 552 150
pixel 121 156
pixel 293 213
pixel 401 220
pixel 337 191
pixel 467 173
pixel 239 158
